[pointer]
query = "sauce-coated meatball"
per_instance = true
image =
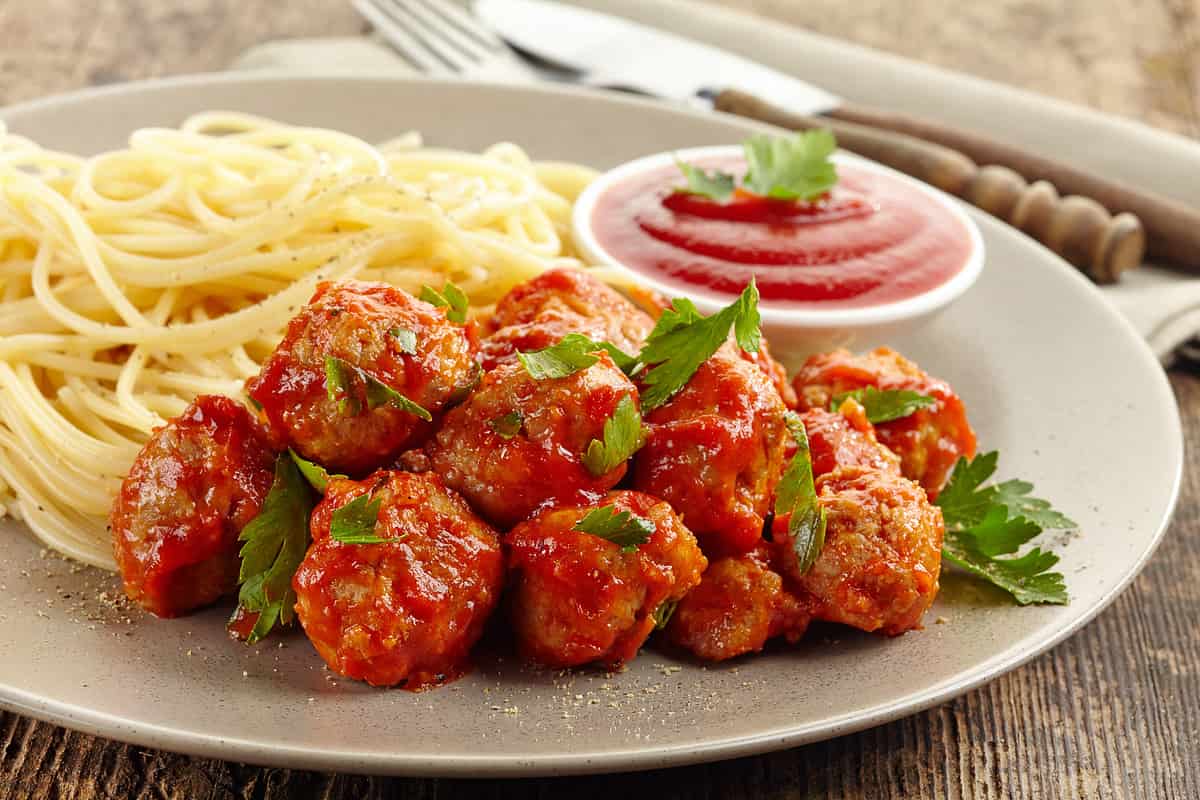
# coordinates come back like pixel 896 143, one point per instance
pixel 740 604
pixel 844 438
pixel 406 611
pixel 879 567
pixel 772 369
pixel 571 292
pixel 929 441
pixel 715 451
pixel 578 598
pixel 517 443
pixel 395 339
pixel 197 482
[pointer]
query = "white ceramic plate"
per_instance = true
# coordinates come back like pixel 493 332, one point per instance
pixel 1051 375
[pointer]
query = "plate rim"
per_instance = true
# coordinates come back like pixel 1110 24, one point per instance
pixel 180 740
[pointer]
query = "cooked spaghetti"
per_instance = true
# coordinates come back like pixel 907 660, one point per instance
pixel 134 280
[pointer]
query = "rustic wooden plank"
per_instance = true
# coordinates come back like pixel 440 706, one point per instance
pixel 106 41
pixel 1109 714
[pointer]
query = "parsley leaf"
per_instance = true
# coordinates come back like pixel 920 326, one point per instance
pixel 683 339
pixel 619 527
pixel 796 496
pixel 623 437
pixel 624 362
pixel 962 502
pixel 507 425
pixel 1014 495
pixel 984 522
pixel 406 339
pixel 573 353
pixel 273 544
pixel 884 405
pixel 791 167
pixel 1026 578
pixel 340 386
pixel 717 186
pixel 354 523
pixel 316 475
pixel 451 298
pixel 662 615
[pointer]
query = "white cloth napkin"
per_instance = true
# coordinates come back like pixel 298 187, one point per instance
pixel 1163 306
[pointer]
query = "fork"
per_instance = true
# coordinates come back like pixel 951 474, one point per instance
pixel 442 39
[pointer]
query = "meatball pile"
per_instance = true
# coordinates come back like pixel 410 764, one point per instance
pixel 456 488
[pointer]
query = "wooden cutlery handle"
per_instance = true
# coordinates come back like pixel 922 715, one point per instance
pixel 1172 227
pixel 1079 229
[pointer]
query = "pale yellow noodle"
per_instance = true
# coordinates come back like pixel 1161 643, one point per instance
pixel 134 280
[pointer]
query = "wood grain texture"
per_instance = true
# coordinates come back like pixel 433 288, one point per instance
pixel 1110 714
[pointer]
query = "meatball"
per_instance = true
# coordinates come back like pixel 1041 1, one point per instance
pixel 382 336
pixel 878 569
pixel 406 611
pixel 578 598
pixel 197 482
pixel 772 369
pixel 929 441
pixel 517 443
pixel 845 438
pixel 715 452
pixel 740 604
pixel 572 293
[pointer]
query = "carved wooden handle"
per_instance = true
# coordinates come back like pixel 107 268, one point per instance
pixel 1079 229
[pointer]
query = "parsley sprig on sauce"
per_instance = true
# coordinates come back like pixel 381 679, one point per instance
pixel 884 405
pixel 683 339
pixel 796 496
pixel 273 544
pixel 354 523
pixel 796 167
pixel 341 385
pixel 569 355
pixel 623 528
pixel 984 523
pixel 451 298
pixel 623 436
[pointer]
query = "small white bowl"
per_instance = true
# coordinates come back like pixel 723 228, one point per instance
pixel 807 328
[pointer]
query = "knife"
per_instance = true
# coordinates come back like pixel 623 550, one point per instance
pixel 608 51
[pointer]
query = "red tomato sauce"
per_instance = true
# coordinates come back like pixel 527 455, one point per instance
pixel 872 240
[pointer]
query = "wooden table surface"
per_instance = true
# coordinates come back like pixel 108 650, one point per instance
pixel 1112 713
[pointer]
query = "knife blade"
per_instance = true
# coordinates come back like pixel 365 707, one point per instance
pixel 605 50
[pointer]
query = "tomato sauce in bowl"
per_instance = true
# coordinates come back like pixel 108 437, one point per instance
pixel 878 246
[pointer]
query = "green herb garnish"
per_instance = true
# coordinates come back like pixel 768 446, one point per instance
pixel 451 298
pixel 406 340
pixel 683 339
pixel 507 425
pixel 718 185
pixel 573 353
pixel 340 386
pixel 796 496
pixel 796 167
pixel 273 544
pixel 662 615
pixel 885 405
pixel 316 475
pixel 619 527
pixel 984 522
pixel 354 523
pixel 623 437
